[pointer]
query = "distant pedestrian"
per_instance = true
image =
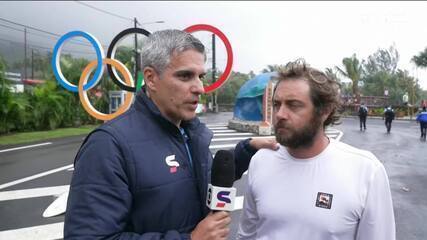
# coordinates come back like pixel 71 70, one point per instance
pixel 422 119
pixel 363 113
pixel 389 117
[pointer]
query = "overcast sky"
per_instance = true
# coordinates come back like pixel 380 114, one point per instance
pixel 260 33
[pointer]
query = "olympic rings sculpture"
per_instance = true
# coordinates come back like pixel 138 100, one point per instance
pixel 114 65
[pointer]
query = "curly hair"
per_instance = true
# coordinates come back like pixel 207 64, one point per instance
pixel 324 90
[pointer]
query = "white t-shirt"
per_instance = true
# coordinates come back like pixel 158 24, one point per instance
pixel 341 194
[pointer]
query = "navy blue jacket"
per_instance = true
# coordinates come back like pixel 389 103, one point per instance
pixel 123 186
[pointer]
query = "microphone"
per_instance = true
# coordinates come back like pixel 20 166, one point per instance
pixel 221 194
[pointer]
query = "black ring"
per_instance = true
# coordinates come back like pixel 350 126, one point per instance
pixel 113 43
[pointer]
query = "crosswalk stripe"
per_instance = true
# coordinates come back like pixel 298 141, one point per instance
pixel 225 146
pixel 232 134
pixel 35 176
pixel 45 232
pixel 237 138
pixel 223 131
pixel 218 128
pixel 33 192
pixel 217 125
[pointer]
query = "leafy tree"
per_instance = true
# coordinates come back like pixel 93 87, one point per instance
pixel 332 74
pixel 383 60
pixel 272 68
pixel 381 73
pixel 12 105
pixel 352 70
pixel 421 59
pixel 49 106
pixel 228 92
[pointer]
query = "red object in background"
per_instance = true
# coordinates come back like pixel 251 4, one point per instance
pixel 33 81
pixel 227 71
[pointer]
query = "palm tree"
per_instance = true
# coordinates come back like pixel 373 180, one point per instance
pixel 352 70
pixel 421 59
pixel 272 68
pixel 332 74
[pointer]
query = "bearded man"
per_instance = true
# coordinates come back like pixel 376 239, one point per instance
pixel 313 187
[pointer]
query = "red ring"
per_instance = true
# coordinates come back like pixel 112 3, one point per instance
pixel 221 80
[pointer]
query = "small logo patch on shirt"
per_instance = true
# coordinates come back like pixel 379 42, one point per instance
pixel 324 200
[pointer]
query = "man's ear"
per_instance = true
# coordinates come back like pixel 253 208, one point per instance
pixel 150 78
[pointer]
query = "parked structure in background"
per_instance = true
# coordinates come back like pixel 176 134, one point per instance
pixel 19 84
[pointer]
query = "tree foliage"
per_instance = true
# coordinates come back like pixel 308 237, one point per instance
pixel 273 68
pixel 227 93
pixel 382 73
pixel 421 59
pixel 352 70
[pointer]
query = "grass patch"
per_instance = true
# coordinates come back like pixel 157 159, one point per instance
pixel 28 137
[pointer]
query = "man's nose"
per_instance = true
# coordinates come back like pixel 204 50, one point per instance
pixel 198 88
pixel 281 113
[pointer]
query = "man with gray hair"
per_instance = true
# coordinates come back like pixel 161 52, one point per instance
pixel 144 174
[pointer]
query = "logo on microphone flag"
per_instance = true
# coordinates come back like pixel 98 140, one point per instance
pixel 223 198
pixel 220 198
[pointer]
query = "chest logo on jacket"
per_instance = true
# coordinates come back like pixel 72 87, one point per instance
pixel 172 163
pixel 324 200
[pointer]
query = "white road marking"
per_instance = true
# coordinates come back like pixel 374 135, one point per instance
pixel 35 176
pixel 218 128
pixel 232 134
pixel 45 232
pixel 24 147
pixel 236 138
pixel 339 136
pixel 217 125
pixel 33 192
pixel 222 146
pixel 224 131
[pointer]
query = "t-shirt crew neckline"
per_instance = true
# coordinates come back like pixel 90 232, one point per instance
pixel 312 160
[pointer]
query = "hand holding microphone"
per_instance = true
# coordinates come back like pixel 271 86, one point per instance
pixel 220 199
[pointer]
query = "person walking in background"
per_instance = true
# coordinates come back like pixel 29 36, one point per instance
pixel 389 117
pixel 363 113
pixel 422 119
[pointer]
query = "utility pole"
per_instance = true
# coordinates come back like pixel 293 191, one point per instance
pixel 136 68
pixel 214 94
pixel 32 63
pixel 25 53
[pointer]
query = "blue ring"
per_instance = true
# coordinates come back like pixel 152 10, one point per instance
pixel 63 82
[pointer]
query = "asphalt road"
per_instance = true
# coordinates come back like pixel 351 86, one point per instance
pixel 23 200
pixel 405 159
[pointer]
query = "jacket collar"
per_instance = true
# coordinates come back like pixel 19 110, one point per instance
pixel 144 104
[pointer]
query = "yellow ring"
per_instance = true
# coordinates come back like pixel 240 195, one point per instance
pixel 83 94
